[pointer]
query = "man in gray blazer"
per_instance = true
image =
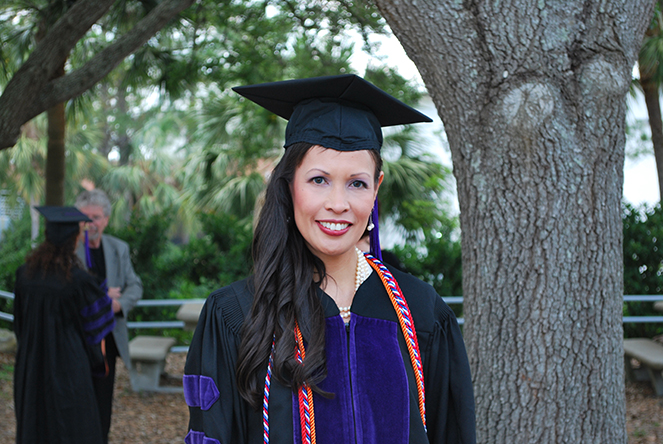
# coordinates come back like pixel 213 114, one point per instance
pixel 108 260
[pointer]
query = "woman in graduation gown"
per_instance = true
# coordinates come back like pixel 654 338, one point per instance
pixel 60 318
pixel 324 343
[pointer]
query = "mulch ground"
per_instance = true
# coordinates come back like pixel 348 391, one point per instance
pixel 137 417
pixel 163 417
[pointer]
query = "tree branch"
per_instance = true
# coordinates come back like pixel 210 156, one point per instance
pixel 84 78
pixel 50 53
pixel 29 98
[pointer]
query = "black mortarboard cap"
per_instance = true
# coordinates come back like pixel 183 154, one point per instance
pixel 62 222
pixel 343 112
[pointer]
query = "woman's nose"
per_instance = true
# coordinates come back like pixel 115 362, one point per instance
pixel 337 200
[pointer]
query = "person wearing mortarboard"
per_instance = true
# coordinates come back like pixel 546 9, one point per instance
pixel 323 343
pixel 108 260
pixel 60 319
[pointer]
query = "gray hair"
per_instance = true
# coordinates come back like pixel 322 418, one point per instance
pixel 94 197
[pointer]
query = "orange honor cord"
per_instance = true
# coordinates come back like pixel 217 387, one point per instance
pixel 306 412
pixel 103 352
pixel 407 327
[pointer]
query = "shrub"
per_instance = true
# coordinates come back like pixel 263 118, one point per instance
pixel 643 265
pixel 437 261
pixel 14 248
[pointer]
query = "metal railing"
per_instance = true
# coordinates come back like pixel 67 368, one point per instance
pixel 6 316
pixel 135 324
pixel 448 299
pixel 643 298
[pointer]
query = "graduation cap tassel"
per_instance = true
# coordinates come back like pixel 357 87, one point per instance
pixel 88 257
pixel 376 251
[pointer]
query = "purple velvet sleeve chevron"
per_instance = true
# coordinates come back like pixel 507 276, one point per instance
pixel 106 318
pixel 194 437
pixel 96 307
pixel 98 320
pixel 200 391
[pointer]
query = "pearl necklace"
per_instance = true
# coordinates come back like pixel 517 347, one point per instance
pixel 361 274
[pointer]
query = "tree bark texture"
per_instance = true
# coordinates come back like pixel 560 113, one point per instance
pixel 651 93
pixel 32 90
pixel 532 96
pixel 56 169
pixel 55 156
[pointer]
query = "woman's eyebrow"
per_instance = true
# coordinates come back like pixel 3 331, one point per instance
pixel 319 170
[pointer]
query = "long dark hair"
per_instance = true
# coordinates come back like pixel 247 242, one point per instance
pixel 58 259
pixel 286 280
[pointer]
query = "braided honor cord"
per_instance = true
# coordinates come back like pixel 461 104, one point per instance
pixel 305 396
pixel 306 413
pixel 407 327
pixel 265 396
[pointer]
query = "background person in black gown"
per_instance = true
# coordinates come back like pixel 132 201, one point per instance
pixel 60 319
pixel 107 259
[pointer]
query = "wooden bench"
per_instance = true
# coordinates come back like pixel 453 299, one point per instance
pixel 7 341
pixel 189 313
pixel 148 361
pixel 658 306
pixel 650 355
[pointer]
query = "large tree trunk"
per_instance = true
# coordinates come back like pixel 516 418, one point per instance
pixel 532 96
pixel 124 139
pixel 55 154
pixel 34 221
pixel 650 90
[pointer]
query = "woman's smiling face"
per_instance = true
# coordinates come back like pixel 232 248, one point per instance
pixel 333 194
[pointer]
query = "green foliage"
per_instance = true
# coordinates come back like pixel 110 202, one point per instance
pixel 154 261
pixel 6 372
pixel 643 265
pixel 638 139
pixel 147 239
pixel 651 50
pixel 412 194
pixel 14 248
pixel 388 79
pixel 217 257
pixel 221 255
pixel 436 259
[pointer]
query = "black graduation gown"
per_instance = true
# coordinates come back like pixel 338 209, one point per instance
pixel 369 370
pixel 58 326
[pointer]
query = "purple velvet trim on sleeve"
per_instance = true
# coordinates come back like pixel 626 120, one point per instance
pixel 200 391
pixel 194 437
pixel 96 306
pixel 99 328
pixel 106 318
pixel 101 334
pixel 379 382
pixel 374 235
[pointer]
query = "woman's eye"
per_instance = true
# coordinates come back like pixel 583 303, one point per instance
pixel 359 184
pixel 318 180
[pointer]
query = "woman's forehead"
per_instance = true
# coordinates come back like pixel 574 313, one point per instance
pixel 321 157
